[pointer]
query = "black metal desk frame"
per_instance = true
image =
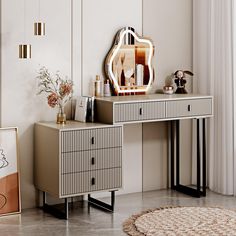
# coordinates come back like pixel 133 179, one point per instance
pixel 201 159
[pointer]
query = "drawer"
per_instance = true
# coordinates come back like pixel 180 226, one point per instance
pixel 141 111
pixel 188 108
pixel 78 140
pixel 90 181
pixel 73 162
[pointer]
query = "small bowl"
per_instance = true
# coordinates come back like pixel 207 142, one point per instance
pixel 168 90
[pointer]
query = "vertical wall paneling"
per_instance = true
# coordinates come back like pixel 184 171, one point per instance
pixel 1 20
pixel 76 49
pixel 100 22
pixel 21 106
pixel 79 34
pixel 169 24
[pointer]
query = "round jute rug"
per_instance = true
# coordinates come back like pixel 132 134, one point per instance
pixel 191 221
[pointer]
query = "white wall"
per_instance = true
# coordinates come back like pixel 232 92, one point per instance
pixel 79 33
pixel 19 104
pixel 169 24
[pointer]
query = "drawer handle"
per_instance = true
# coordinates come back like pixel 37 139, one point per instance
pixel 92 161
pixel 189 107
pixel 93 181
pixel 140 111
pixel 92 140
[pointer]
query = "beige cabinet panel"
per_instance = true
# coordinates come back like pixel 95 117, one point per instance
pixel 77 158
pixel 79 140
pixel 152 107
pixel 191 107
pixel 89 181
pixel 140 111
pixel 74 162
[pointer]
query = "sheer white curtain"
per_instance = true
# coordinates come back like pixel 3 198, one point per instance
pixel 213 66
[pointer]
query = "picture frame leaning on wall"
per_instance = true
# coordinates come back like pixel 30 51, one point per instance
pixel 10 200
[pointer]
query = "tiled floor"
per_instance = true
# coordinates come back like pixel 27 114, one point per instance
pixel 93 222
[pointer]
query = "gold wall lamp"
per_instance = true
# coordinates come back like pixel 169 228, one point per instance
pixel 24 49
pixel 39 27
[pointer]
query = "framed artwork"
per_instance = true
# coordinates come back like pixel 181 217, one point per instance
pixel 9 172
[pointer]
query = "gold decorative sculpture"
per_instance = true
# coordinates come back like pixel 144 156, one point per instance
pixel 129 63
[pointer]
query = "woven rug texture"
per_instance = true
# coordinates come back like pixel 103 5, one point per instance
pixel 182 221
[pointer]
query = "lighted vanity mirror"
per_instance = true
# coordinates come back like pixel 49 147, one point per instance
pixel 129 63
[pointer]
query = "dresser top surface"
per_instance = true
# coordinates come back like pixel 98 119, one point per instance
pixel 72 125
pixel 152 97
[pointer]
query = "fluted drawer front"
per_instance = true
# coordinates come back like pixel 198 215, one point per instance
pixel 84 182
pixel 73 162
pixel 198 107
pixel 140 111
pixel 78 140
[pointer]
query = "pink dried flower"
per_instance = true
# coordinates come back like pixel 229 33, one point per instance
pixel 60 90
pixel 65 89
pixel 53 100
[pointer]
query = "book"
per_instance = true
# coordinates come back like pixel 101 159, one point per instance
pixel 84 109
pixel 90 109
pixel 81 109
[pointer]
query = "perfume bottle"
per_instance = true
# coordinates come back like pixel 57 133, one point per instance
pixel 98 86
pixel 107 89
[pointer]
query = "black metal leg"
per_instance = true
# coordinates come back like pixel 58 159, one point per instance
pixel 53 210
pixel 102 205
pixel 177 154
pixel 198 158
pixel 204 156
pixel 201 169
pixel 172 150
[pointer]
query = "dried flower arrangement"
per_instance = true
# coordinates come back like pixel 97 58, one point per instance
pixel 59 90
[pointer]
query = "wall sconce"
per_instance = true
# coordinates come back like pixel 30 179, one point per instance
pixel 24 49
pixel 39 27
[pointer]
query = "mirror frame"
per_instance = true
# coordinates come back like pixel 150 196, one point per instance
pixel 113 52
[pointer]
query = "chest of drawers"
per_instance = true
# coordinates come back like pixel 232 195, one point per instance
pixel 78 158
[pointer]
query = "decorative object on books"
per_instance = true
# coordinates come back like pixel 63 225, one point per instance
pixel 9 172
pixel 180 80
pixel 182 221
pixel 59 91
pixel 84 109
pixel 128 64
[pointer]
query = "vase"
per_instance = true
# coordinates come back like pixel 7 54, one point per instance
pixel 61 116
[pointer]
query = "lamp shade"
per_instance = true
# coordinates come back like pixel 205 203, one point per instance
pixel 24 51
pixel 39 28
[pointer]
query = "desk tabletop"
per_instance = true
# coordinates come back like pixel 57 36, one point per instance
pixel 73 125
pixel 152 97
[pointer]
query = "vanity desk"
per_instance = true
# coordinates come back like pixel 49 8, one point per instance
pixel 83 158
pixel 161 107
